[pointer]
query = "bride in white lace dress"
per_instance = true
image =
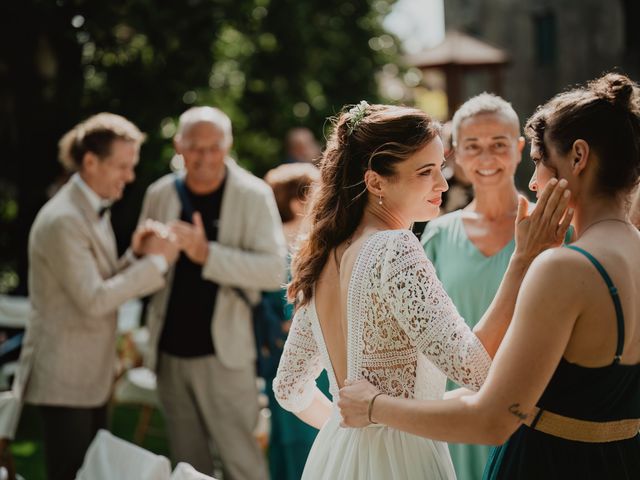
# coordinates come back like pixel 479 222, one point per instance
pixel 369 304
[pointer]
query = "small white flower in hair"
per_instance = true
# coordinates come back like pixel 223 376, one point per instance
pixel 357 112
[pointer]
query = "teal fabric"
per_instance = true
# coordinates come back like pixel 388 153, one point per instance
pixel 471 279
pixel 291 439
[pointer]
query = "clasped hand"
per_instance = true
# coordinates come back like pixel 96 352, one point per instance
pixel 191 238
pixel 154 238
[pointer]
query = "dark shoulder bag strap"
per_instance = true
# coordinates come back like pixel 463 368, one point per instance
pixel 187 207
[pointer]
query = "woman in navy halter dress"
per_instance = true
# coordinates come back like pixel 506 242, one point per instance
pixel 602 394
pixel 562 398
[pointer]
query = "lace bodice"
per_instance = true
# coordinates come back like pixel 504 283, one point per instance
pixel 404 333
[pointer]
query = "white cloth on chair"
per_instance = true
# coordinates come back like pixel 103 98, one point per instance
pixel 137 385
pixel 14 311
pixel 110 457
pixel 184 471
pixel 10 408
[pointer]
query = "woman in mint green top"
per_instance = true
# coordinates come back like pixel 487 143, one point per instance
pixel 471 248
pixel 470 277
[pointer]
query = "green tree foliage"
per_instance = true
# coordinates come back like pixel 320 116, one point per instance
pixel 270 64
pixel 292 63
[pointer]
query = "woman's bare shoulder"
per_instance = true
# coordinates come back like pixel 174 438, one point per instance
pixel 561 270
pixel 560 257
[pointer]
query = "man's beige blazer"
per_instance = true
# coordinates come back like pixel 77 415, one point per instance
pixel 250 253
pixel 76 285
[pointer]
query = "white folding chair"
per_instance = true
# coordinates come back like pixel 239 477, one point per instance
pixel 184 471
pixel 14 311
pixel 138 387
pixel 10 409
pixel 110 457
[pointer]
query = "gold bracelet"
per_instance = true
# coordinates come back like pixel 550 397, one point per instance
pixel 371 406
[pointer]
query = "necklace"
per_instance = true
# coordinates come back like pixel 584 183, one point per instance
pixel 604 220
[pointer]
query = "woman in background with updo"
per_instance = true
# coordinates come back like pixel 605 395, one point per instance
pixel 563 393
pixel 290 439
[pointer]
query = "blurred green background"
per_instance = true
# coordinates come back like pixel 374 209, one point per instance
pixel 270 65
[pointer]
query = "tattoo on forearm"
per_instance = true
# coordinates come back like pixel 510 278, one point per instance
pixel 514 409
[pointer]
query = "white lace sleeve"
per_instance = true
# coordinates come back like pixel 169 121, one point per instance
pixel 300 365
pixel 428 316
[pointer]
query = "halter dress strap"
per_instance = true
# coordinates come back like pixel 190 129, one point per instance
pixel 613 291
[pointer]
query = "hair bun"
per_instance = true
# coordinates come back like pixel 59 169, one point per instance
pixel 617 89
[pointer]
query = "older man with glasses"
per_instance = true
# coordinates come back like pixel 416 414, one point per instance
pixel 202 345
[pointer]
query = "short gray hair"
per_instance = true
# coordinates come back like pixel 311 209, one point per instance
pixel 211 115
pixel 483 103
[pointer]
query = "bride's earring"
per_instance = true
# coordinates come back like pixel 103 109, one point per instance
pixel 380 200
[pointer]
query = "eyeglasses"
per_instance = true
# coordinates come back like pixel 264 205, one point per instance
pixel 475 149
pixel 204 150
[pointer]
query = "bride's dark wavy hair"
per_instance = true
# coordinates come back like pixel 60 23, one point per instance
pixel 374 139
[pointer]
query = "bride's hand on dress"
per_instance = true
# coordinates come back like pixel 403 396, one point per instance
pixel 354 403
pixel 547 225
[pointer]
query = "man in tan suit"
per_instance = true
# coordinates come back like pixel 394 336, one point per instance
pixel 77 284
pixel 201 332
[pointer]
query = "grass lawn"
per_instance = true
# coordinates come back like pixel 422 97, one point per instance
pixel 27 447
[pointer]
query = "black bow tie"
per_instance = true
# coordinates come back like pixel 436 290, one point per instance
pixel 104 210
